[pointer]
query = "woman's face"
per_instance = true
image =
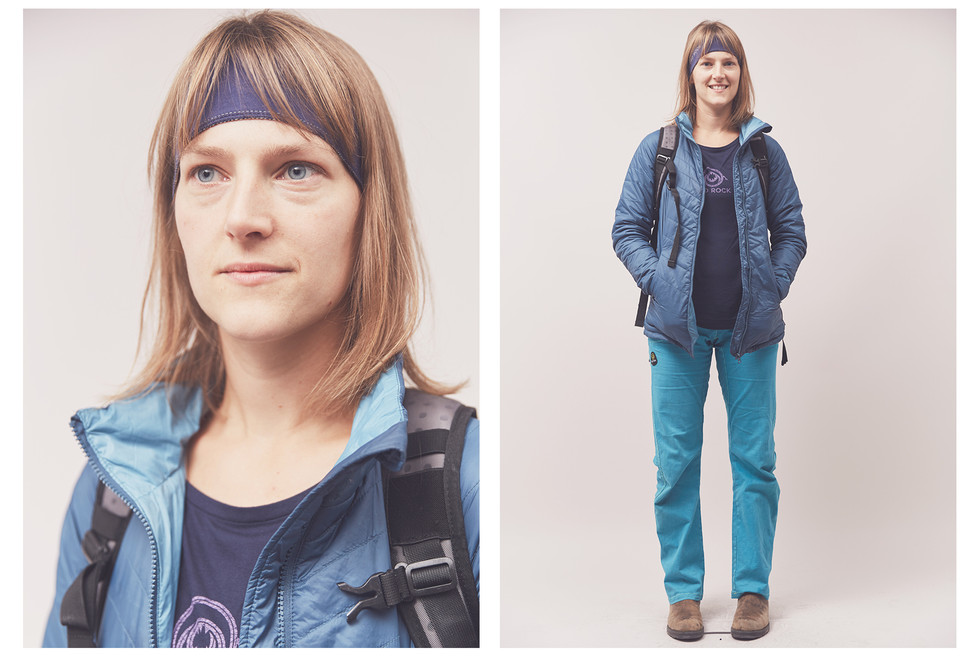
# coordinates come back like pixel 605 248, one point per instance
pixel 266 216
pixel 715 79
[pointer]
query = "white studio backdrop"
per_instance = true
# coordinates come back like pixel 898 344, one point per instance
pixel 863 103
pixel 94 83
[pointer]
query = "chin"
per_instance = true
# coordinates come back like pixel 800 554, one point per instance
pixel 278 328
pixel 256 334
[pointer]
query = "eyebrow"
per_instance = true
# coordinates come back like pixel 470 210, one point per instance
pixel 719 55
pixel 216 152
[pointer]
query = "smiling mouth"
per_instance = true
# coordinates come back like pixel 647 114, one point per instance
pixel 718 87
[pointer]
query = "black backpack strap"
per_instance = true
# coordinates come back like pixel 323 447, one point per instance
pixel 760 160
pixel 664 172
pixel 81 607
pixel 431 580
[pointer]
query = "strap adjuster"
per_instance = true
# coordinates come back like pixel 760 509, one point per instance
pixel 428 577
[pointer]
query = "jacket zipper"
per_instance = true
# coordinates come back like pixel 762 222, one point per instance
pixel 282 599
pixel 697 235
pixel 111 484
pixel 747 290
pixel 280 615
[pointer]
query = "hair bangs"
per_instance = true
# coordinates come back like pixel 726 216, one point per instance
pixel 290 75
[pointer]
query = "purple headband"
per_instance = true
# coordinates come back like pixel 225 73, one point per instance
pixel 715 46
pixel 236 99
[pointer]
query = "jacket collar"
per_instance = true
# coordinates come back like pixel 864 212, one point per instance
pixel 138 443
pixel 748 129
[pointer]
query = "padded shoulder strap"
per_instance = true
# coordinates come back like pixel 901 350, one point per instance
pixel 666 149
pixel 760 159
pixel 82 605
pixel 425 521
pixel 431 579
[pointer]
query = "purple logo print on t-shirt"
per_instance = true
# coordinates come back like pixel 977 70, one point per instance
pixel 714 178
pixel 206 623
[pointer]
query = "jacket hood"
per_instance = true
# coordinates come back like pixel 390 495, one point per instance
pixel 749 128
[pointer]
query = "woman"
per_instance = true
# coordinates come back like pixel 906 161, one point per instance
pixel 722 258
pixel 257 445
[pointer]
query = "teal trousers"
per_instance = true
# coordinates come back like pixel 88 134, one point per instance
pixel 679 385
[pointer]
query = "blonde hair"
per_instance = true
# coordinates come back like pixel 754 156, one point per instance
pixel 287 59
pixel 700 38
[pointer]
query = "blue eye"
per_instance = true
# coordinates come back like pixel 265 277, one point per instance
pixel 205 174
pixel 298 171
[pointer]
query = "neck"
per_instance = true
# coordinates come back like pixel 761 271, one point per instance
pixel 713 127
pixel 263 443
pixel 267 385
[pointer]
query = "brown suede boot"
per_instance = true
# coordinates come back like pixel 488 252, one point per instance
pixel 751 619
pixel 684 620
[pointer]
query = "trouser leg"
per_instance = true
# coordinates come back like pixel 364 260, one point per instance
pixel 679 385
pixel 749 389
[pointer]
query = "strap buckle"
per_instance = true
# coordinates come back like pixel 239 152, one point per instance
pixel 402 582
pixel 370 587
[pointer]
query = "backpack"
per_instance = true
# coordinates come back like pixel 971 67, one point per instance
pixel 664 172
pixel 432 576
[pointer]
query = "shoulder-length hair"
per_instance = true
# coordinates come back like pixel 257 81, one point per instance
pixel 287 60
pixel 700 37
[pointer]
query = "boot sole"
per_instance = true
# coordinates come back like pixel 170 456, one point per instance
pixel 750 635
pixel 686 636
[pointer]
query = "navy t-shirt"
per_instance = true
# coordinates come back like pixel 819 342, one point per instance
pixel 219 548
pixel 717 266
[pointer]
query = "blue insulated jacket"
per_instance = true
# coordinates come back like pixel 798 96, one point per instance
pixel 771 245
pixel 336 533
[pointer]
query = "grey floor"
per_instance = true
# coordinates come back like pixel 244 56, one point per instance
pixel 583 595
pixel 880 619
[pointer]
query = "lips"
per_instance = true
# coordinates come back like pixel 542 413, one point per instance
pixel 251 267
pixel 253 273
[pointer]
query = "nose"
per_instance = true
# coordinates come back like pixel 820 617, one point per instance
pixel 249 211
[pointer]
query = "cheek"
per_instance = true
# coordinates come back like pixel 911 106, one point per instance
pixel 338 232
pixel 334 249
pixel 192 244
pixel 181 222
pixel 189 222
